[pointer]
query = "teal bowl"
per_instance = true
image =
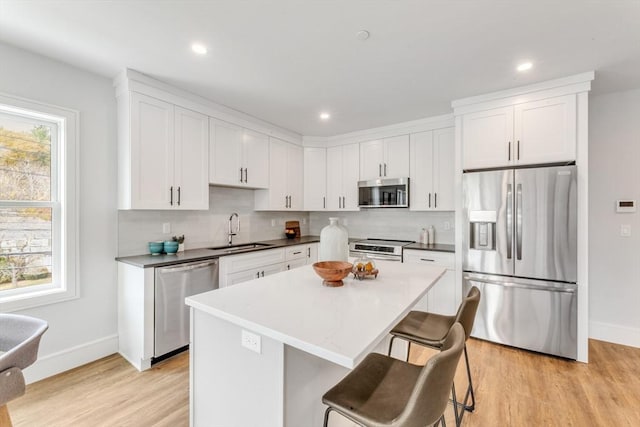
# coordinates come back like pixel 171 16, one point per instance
pixel 156 248
pixel 170 247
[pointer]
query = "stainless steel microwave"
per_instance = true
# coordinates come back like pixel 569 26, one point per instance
pixel 384 193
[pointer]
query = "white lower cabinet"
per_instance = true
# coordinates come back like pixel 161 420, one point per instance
pixel 442 298
pixel 240 268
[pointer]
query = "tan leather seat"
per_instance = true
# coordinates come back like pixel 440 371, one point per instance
pixel 430 330
pixel 385 392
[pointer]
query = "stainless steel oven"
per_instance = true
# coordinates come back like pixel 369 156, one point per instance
pixel 388 250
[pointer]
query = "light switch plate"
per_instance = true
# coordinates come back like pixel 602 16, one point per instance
pixel 166 227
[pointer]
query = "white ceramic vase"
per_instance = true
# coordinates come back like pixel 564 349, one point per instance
pixel 334 242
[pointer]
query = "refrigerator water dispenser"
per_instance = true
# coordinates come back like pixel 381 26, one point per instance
pixel 482 230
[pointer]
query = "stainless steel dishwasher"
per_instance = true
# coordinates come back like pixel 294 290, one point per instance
pixel 172 285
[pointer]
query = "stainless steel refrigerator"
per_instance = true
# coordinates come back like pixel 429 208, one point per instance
pixel 520 249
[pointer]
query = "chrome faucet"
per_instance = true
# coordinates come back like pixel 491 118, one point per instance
pixel 231 232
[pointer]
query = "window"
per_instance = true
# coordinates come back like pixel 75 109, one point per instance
pixel 37 204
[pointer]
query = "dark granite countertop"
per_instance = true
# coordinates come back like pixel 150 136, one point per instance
pixel 438 247
pixel 148 260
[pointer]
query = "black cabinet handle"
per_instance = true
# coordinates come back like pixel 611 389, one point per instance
pixel 171 196
pixel 178 196
pixel 435 200
pixel 509 151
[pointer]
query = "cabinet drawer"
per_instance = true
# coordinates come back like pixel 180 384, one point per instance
pixel 441 259
pixel 244 262
pixel 290 265
pixel 295 252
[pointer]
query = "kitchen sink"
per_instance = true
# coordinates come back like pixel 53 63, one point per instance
pixel 241 247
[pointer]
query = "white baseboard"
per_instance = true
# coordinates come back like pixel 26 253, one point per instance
pixel 70 358
pixel 614 333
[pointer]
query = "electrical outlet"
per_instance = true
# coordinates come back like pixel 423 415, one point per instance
pixel 345 222
pixel 625 230
pixel 166 227
pixel 251 341
pixel 304 221
pixel 273 222
pixel 447 225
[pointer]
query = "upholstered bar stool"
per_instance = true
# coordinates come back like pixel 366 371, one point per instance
pixel 386 392
pixel 430 330
pixel 19 342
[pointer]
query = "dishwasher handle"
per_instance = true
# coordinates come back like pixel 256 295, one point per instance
pixel 187 266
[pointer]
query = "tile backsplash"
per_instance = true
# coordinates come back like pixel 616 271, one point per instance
pixel 388 223
pixel 204 228
pixel 209 228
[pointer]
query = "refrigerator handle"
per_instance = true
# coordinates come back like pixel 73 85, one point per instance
pixel 509 220
pixel 519 222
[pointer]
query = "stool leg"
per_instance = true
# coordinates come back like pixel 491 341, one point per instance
pixel 471 407
pixel 326 416
pixel 393 337
pixel 5 419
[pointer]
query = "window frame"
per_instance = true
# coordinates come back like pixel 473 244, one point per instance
pixel 64 205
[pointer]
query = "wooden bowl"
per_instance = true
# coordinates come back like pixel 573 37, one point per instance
pixel 333 272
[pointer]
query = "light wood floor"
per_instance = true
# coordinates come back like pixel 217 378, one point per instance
pixel 513 388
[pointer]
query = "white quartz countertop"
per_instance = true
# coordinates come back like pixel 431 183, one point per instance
pixel 341 325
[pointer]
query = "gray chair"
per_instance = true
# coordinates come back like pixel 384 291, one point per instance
pixel 19 341
pixel 383 391
pixel 430 330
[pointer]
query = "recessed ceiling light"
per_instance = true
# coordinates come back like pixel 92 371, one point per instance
pixel 199 48
pixel 524 66
pixel 325 116
pixel 362 35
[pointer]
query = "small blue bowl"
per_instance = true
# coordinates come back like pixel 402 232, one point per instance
pixel 156 248
pixel 170 247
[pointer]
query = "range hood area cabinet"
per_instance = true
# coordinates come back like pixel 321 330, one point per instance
pixel 536 132
pixel 432 170
pixel 238 157
pixel 163 154
pixel 286 163
pixel 384 158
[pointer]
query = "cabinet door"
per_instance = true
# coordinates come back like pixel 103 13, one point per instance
pixel 295 176
pixel 256 159
pixel 242 276
pixel 191 159
pixel 443 169
pixel 225 151
pixel 545 131
pixel 290 265
pixel 152 151
pixel 396 157
pixel 277 175
pixel 422 164
pixel 268 270
pixel 350 162
pixel 371 159
pixel 487 138
pixel 312 253
pixel 335 177
pixel 315 179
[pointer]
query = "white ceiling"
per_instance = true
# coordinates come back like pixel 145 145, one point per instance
pixel 285 61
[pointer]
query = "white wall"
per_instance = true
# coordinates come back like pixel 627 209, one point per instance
pixel 204 228
pixel 83 329
pixel 388 223
pixel 614 261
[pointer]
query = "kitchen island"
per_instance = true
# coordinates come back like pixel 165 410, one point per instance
pixel 305 338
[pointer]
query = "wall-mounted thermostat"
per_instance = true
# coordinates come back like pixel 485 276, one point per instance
pixel 625 206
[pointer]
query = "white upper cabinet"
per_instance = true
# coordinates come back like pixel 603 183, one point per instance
pixel 191 165
pixel 534 132
pixel 285 178
pixel 342 177
pixel 163 155
pixel 432 170
pixel 384 158
pixel 315 179
pixel 545 131
pixel 238 156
